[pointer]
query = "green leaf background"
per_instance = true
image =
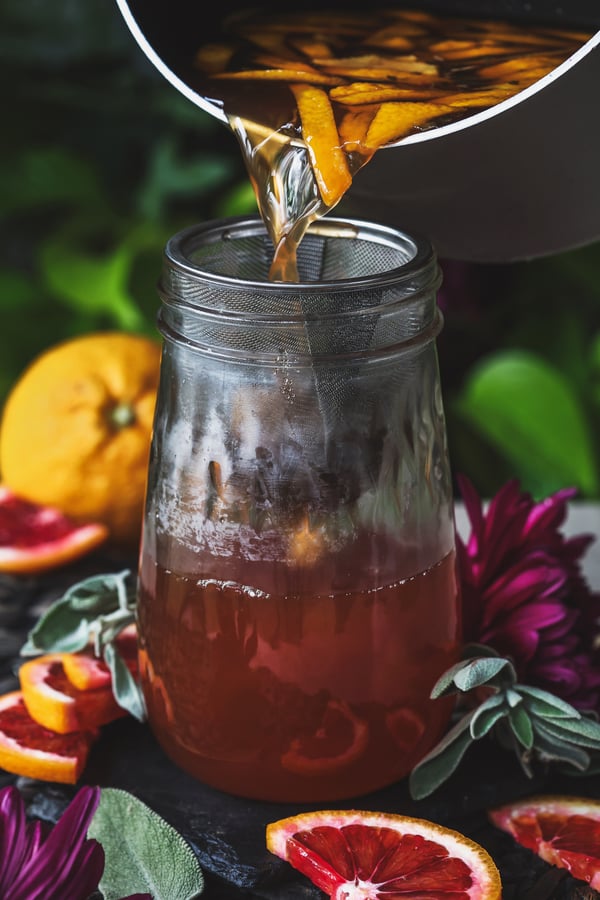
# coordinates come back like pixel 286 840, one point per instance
pixel 530 411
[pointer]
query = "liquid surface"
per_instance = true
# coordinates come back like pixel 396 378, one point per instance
pixel 311 96
pixel 295 696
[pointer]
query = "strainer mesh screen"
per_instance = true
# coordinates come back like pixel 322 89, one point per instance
pixel 227 303
pixel 320 258
pixel 319 336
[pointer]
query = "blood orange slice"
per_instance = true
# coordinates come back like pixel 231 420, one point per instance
pixel 54 703
pixel 341 739
pixel 355 855
pixel 563 831
pixel 37 538
pixel 32 751
pixel 88 672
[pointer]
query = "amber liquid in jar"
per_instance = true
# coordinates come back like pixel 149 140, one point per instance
pixel 287 692
pixel 297 595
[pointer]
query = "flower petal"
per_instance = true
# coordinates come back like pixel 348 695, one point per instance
pixel 67 864
pixel 521 584
pixel 13 837
pixel 548 515
pixel 524 592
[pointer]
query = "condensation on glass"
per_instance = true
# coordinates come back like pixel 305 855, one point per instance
pixel 298 596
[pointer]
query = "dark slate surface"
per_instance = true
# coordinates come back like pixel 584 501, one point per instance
pixel 228 833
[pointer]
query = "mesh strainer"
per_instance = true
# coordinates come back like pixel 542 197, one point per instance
pixel 361 296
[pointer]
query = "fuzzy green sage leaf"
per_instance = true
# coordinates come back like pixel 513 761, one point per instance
pixel 549 747
pixel 125 688
pixel 521 726
pixel 486 715
pixel 544 704
pixel 60 630
pixel 442 761
pixel 86 610
pixel 535 724
pixel 93 612
pixel 100 594
pixel 585 731
pixel 477 672
pixel 143 853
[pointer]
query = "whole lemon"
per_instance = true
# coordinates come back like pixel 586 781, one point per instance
pixel 76 429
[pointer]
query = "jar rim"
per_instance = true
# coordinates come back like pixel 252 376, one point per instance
pixel 389 309
pixel 180 246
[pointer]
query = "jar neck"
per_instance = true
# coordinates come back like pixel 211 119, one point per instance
pixel 369 291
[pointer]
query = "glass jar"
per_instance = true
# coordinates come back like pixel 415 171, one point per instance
pixel 298 597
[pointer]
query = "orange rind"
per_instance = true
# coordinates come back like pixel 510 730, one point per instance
pixel 54 703
pixel 32 751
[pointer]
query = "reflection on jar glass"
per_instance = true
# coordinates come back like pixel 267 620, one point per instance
pixel 298 597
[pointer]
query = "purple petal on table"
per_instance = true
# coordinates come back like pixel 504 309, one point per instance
pixel 67 863
pixel 13 836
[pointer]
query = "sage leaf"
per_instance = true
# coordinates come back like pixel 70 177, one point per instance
pixel 521 726
pixel 478 672
pixel 513 698
pixel 99 594
pixel 143 853
pixel 125 688
pixel 582 731
pixel 96 608
pixel 442 761
pixel 491 711
pixel 60 629
pixel 555 749
pixel 544 704
pixel 445 684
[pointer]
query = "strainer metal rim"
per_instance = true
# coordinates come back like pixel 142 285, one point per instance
pixel 180 245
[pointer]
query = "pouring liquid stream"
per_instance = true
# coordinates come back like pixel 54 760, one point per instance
pixel 312 96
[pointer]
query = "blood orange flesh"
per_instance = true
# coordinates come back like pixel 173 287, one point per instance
pixel 28 749
pixel 563 831
pixel 356 855
pixel 36 538
pixel 88 672
pixel 54 703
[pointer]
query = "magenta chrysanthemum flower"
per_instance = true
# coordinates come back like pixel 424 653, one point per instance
pixel 524 594
pixel 61 863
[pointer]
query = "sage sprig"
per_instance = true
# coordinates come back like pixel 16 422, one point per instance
pixel 537 726
pixel 142 852
pixel 93 612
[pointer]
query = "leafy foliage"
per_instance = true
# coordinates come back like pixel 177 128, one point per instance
pixel 537 726
pixel 93 611
pixel 521 372
pixel 143 853
pixel 531 412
